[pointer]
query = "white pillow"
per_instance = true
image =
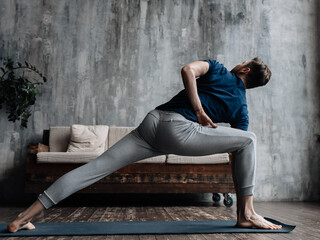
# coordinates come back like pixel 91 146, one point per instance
pixel 86 138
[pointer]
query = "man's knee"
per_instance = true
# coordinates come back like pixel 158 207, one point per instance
pixel 252 137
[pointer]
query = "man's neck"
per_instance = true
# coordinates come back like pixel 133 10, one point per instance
pixel 243 79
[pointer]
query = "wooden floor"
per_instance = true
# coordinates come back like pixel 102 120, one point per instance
pixel 305 215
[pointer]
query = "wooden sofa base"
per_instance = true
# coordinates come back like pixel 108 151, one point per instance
pixel 137 177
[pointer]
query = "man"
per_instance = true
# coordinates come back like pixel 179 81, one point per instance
pixel 185 126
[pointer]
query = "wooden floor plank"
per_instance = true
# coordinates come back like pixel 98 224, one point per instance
pixel 286 213
pixel 163 215
pixel 294 216
pixel 194 213
pixel 96 215
pixel 121 215
pixel 54 214
pixel 176 214
pixel 147 237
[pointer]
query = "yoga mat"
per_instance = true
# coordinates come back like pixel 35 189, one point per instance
pixel 138 227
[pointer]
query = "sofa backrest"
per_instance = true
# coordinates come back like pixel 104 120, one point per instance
pixel 59 138
pixel 116 133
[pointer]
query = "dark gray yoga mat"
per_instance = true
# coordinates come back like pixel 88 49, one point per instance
pixel 138 227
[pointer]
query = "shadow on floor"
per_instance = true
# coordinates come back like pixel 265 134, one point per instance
pixel 134 199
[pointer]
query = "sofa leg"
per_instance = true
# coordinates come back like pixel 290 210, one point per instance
pixel 228 201
pixel 216 197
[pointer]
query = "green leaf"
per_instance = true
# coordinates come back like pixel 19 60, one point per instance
pixel 18 92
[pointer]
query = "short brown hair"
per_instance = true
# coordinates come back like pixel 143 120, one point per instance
pixel 259 74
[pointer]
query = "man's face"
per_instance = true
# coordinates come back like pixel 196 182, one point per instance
pixel 237 68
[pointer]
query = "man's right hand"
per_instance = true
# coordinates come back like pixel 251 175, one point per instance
pixel 204 119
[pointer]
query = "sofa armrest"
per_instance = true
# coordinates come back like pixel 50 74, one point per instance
pixel 32 148
pixel 230 158
pixel 32 151
pixel 43 148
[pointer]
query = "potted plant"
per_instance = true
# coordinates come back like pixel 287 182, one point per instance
pixel 18 91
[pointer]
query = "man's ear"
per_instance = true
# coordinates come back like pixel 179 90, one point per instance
pixel 245 70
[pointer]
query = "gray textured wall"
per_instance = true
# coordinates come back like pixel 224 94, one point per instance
pixel 110 62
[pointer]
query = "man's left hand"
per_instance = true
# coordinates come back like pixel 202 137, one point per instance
pixel 204 119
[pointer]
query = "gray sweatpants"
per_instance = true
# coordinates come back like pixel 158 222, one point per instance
pixel 163 132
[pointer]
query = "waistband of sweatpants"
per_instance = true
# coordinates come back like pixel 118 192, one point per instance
pixel 165 115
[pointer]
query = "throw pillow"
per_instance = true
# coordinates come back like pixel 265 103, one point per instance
pixel 86 138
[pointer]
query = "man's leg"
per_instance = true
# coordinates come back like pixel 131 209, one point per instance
pixel 192 139
pixel 243 171
pixel 129 149
pixel 246 216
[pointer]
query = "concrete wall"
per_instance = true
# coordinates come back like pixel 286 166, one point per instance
pixel 110 62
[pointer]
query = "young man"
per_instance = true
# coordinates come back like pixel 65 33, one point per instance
pixel 185 126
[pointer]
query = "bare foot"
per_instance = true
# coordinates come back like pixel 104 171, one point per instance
pixel 255 220
pixel 24 218
pixel 16 225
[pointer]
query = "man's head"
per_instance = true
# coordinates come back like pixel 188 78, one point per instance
pixel 254 73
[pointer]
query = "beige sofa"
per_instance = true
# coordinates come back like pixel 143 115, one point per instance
pixel 49 160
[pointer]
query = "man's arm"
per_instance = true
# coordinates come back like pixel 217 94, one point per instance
pixel 190 73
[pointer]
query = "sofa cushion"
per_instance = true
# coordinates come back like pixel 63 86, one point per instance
pixel 157 159
pixel 66 157
pixel 116 133
pixel 59 139
pixel 208 159
pixel 86 138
